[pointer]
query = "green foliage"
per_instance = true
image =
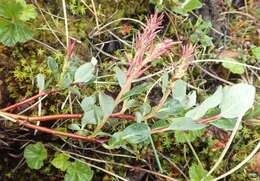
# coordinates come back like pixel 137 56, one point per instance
pixel 197 173
pixel 256 52
pixel 133 134
pixel 136 133
pixel 165 80
pixel 121 76
pixel 237 100
pixel 225 124
pixel 137 90
pixel 200 35
pixel 84 73
pixel 107 104
pixel 185 124
pixel 61 161
pixel 78 171
pixel 184 136
pixel 40 82
pixel 234 68
pixel 52 64
pixel 116 141
pixel 76 7
pixel 34 155
pixel 209 103
pixel 182 7
pixel 187 6
pixel 13 17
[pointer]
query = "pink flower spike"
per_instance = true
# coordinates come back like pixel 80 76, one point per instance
pixel 187 51
pixel 160 49
pixel 153 25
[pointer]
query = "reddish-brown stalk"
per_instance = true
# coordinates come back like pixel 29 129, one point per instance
pixel 26 101
pixel 59 133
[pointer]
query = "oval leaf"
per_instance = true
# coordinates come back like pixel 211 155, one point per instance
pixel 136 133
pixel 84 73
pixel 40 82
pixel 121 76
pixel 237 100
pixel 107 104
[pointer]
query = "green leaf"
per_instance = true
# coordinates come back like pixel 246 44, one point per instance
pixel 136 133
pixel 61 161
pixel 191 100
pixel 116 141
pixel 197 173
pixel 185 124
pixel 87 103
pixel 179 90
pixel 211 102
pixel 107 104
pixel 237 99
pixel 40 82
pixel 88 118
pixel 34 155
pixel 74 127
pixel 11 33
pixel 145 108
pixel 171 107
pixel 256 52
pixel 234 68
pixel 28 12
pixel 84 73
pixel 10 9
pixel 225 124
pixel 12 27
pixel 165 80
pixel 138 117
pixel 187 6
pixel 52 64
pixel 78 172
pixel 137 90
pixel 121 76
pixel 190 5
pixel 184 136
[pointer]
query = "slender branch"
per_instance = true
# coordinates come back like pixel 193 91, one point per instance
pixel 210 119
pixel 59 133
pixel 51 131
pixel 61 116
pixel 29 100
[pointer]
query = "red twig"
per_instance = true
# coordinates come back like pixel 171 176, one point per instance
pixel 210 119
pixel 59 133
pixel 24 101
pixel 63 116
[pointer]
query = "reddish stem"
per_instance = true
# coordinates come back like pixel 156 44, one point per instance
pixel 210 119
pixel 24 101
pixel 73 116
pixel 59 133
